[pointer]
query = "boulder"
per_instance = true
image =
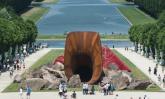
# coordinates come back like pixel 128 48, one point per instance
pixel 58 66
pixel 37 74
pixel 120 79
pixel 54 85
pixel 36 83
pixel 17 78
pixel 139 85
pixel 120 83
pixel 74 81
pixel 57 73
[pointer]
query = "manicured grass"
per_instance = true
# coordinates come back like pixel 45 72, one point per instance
pixel 48 58
pixel 34 14
pixel 114 36
pixel 118 1
pixel 50 1
pixel 136 73
pixel 136 16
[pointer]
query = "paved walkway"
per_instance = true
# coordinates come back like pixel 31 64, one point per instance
pixel 5 80
pixel 143 64
pixel 54 95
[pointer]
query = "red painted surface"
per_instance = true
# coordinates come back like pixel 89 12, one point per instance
pixel 108 58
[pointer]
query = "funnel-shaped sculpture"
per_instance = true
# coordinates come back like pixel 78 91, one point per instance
pixel 83 56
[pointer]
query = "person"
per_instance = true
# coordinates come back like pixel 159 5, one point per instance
pixel 21 92
pixel 28 92
pixel 92 90
pixel 163 68
pixel 60 90
pixel 64 87
pixel 105 89
pixel 112 88
pixel 11 74
pixel 149 70
pixel 86 88
pixel 73 96
pixel 155 71
pixel 145 97
pixel 159 79
pixel 113 46
pixel 163 81
pixel 83 88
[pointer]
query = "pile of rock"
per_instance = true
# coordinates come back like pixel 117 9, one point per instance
pixel 48 77
pixel 124 80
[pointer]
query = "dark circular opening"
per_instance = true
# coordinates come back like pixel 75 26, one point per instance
pixel 82 65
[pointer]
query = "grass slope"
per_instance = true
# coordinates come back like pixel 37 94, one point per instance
pixel 48 58
pixel 136 16
pixel 34 14
pixel 118 1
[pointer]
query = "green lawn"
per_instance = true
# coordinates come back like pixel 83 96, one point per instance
pixel 136 73
pixel 136 16
pixel 37 12
pixel 34 14
pixel 48 58
pixel 111 37
pixel 118 1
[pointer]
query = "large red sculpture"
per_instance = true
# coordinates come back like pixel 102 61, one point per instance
pixel 83 56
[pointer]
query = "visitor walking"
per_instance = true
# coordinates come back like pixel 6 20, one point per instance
pixel 83 88
pixel 28 92
pixel 92 90
pixel 21 93
pixel 60 90
pixel 86 88
pixel 112 88
pixel 149 70
pixel 159 79
pixel 155 71
pixel 73 96
pixel 163 81
pixel 64 85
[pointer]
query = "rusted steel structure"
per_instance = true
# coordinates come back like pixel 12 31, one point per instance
pixel 83 56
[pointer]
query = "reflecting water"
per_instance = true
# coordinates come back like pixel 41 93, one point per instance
pixel 82 15
pixel 109 43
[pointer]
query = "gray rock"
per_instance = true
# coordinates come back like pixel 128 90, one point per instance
pixel 57 73
pixel 74 81
pixel 54 85
pixel 139 85
pixel 36 83
pixel 17 78
pixel 58 66
pixel 120 79
pixel 37 74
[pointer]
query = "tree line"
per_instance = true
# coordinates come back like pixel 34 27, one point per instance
pixel 149 39
pixel 153 7
pixel 14 33
pixel 17 5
